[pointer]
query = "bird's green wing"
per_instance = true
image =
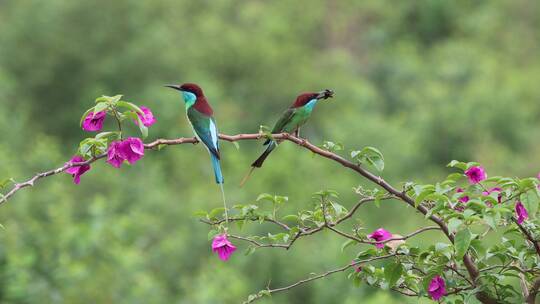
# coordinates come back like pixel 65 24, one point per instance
pixel 281 124
pixel 205 129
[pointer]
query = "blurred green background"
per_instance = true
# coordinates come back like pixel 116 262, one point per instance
pixel 424 81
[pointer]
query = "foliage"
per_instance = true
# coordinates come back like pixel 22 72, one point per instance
pixel 467 264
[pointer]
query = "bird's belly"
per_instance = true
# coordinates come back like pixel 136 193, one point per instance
pixel 297 121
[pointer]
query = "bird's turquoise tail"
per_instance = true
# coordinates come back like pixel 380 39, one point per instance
pixel 219 179
pixel 259 161
pixel 217 169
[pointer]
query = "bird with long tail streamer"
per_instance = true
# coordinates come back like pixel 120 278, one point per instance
pixel 200 116
pixel 290 122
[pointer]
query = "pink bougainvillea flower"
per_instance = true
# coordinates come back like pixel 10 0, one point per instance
pixel 476 174
pixel 380 235
pixel 357 268
pixel 131 149
pixel 492 190
pixel 223 247
pixel 114 154
pixel 94 121
pixel 148 118
pixel 77 171
pixel 437 288
pixel 521 212
pixel 464 198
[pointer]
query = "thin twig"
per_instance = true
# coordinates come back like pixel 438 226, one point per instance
pixel 253 219
pixel 261 245
pixel 385 241
pixel 323 275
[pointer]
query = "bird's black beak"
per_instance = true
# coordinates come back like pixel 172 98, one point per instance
pixel 325 94
pixel 173 86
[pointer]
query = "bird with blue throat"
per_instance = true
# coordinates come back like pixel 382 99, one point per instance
pixel 201 117
pixel 290 122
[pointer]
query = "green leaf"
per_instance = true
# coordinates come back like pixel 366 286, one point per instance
pixel 109 99
pixel 357 281
pixel 366 253
pixel 143 129
pixel 212 233
pixel 392 273
pixel 290 217
pixel 84 115
pixel 490 220
pixel 216 211
pixel 423 191
pixel 130 106
pixel 200 213
pixel 108 134
pixel 453 224
pixel 5 182
pixel 457 164
pixel 249 251
pixel 462 242
pixel 332 147
pixel 370 155
pixel 347 243
pixel 115 98
pixel 240 224
pixel 133 115
pixel 265 196
pixel 530 201
pixel 102 106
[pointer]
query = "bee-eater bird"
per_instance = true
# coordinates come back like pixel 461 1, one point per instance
pixel 290 122
pixel 200 116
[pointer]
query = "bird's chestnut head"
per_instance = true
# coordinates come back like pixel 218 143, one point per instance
pixel 305 98
pixel 190 92
pixel 188 87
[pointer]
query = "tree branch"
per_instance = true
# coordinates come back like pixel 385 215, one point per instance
pixel 467 260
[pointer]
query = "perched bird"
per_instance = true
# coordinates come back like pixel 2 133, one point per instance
pixel 200 116
pixel 290 122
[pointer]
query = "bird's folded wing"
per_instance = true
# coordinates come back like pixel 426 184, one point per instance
pixel 282 122
pixel 206 129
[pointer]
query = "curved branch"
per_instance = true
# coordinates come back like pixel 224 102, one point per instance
pixel 357 205
pixel 402 238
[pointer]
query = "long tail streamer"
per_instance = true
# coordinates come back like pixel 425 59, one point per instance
pixel 245 179
pixel 224 203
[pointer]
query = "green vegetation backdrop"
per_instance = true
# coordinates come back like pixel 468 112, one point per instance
pixel 424 81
